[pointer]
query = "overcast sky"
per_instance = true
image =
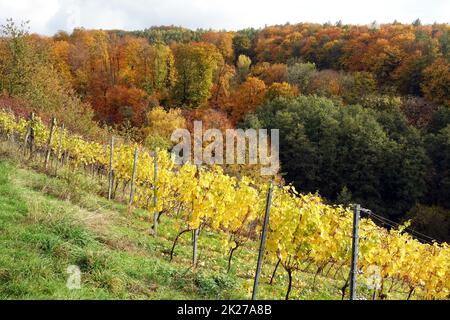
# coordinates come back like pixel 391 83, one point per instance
pixel 49 16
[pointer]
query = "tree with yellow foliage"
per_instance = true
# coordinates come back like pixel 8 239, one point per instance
pixel 160 125
pixel 282 89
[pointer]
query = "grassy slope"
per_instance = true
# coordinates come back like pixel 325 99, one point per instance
pixel 48 223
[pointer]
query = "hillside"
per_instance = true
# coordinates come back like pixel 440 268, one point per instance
pixel 48 223
pixel 307 238
pixel 363 110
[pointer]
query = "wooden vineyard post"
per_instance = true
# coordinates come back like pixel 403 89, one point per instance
pixel 29 136
pixel 110 173
pixel 194 247
pixel 195 233
pixel 263 241
pixel 11 137
pixel 155 197
pixel 49 142
pixel 66 158
pixel 355 240
pixel 133 174
pixel 58 152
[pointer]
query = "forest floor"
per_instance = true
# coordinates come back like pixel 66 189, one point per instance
pixel 49 222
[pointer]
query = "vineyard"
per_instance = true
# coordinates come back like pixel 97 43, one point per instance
pixel 304 232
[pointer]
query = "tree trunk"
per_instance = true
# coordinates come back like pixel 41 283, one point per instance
pixel 175 242
pixel 231 256
pixel 289 271
pixel 274 271
pixel 344 288
pixel 411 291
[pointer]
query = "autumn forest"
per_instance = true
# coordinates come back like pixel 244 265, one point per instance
pixel 363 111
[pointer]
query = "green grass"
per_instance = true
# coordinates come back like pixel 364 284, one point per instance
pixel 48 223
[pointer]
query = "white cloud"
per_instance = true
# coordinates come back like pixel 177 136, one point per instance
pixel 48 16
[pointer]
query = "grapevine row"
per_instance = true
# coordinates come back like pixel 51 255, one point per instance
pixel 303 229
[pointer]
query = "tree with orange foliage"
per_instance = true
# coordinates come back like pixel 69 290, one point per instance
pixel 123 104
pixel 436 82
pixel 270 73
pixel 216 119
pixel 223 42
pixel 249 95
pixel 325 83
